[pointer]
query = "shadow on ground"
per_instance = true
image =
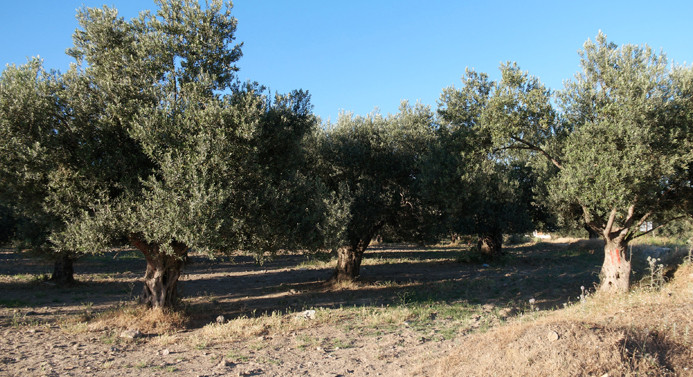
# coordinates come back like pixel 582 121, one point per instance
pixel 236 286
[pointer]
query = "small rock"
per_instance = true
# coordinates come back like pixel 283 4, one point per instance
pixel 165 352
pixel 131 334
pixel 221 319
pixel 308 314
pixel 251 372
pixel 552 336
pixel 224 364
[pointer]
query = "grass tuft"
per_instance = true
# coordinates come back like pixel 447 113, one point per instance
pixel 139 317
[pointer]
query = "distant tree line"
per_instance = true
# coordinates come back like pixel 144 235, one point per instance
pixel 150 139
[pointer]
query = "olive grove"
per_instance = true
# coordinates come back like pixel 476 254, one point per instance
pixel 149 138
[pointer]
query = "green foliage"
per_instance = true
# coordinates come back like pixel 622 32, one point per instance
pixel 627 143
pixel 621 142
pixel 40 181
pixel 371 165
pixel 622 146
pixel 149 137
pixel 519 115
pixel 478 192
pixel 187 155
pixel 286 206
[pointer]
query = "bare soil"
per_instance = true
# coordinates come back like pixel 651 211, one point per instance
pixel 411 307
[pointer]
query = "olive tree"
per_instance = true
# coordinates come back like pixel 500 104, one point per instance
pixel 619 147
pixel 142 97
pixel 370 164
pixel 477 192
pixel 39 157
pixel 182 150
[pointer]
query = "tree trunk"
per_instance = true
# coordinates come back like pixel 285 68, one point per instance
pixel 349 261
pixel 491 244
pixel 591 233
pixel 615 275
pixel 161 276
pixel 63 272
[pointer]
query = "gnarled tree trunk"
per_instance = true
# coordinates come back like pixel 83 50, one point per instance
pixel 349 258
pixel 163 271
pixel 349 261
pixel 615 274
pixel 491 244
pixel 63 271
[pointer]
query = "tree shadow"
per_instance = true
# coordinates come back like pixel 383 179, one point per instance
pixel 399 275
pixel 421 276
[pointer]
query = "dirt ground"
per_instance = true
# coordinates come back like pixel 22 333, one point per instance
pixel 411 306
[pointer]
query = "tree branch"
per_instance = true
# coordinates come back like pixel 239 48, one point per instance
pixel 634 236
pixel 629 219
pixel 610 223
pixel 538 149
pixel 587 216
pixel 643 219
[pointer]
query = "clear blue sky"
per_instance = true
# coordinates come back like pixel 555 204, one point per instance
pixel 361 54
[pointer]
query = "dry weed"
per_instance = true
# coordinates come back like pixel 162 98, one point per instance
pixel 250 327
pixel 138 317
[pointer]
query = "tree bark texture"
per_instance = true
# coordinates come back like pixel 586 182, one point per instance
pixel 63 271
pixel 615 274
pixel 162 274
pixel 491 244
pixel 349 261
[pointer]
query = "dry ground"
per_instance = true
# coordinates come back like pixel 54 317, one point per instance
pixel 415 311
pixel 645 333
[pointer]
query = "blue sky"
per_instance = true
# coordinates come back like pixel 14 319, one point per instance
pixel 359 55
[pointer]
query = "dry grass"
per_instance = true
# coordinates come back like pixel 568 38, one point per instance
pixel 138 317
pixel 247 328
pixel 643 333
